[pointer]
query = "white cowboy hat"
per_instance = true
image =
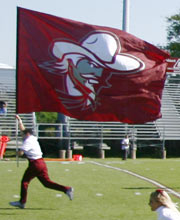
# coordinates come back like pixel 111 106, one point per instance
pixel 104 49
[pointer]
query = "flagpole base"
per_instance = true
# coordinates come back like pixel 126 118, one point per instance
pixel 133 154
pixel 69 154
pixel 62 154
pixel 163 154
pixel 101 153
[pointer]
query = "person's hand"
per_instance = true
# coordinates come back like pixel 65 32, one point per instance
pixel 18 118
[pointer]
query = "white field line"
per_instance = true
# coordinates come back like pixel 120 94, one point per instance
pixel 140 177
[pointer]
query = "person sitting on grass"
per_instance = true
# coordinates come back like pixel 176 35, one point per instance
pixel 161 203
pixel 37 167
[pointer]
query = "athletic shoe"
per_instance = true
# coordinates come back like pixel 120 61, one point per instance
pixel 70 193
pixel 18 204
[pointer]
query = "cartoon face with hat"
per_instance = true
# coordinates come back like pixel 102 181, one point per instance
pixel 85 63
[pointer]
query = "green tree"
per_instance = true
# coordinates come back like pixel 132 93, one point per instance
pixel 46 117
pixel 173 35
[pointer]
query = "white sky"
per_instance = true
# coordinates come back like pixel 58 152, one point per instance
pixel 147 18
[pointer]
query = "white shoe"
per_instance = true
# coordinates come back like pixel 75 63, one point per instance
pixel 70 193
pixel 18 204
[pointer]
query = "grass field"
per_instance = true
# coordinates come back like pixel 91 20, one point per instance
pixel 100 193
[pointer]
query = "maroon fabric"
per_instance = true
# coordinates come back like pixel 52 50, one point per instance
pixel 115 94
pixel 37 168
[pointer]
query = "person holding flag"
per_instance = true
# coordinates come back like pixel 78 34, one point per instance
pixel 37 167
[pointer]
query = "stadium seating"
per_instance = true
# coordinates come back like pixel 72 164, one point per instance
pixel 166 128
pixel 8 94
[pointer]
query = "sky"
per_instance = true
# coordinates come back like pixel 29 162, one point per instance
pixel 147 19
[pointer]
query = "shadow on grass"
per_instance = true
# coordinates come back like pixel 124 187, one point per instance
pixel 139 188
pixel 40 209
pixel 27 209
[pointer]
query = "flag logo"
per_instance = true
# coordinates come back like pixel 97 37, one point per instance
pixel 84 65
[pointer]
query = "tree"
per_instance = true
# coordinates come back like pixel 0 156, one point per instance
pixel 46 117
pixel 173 35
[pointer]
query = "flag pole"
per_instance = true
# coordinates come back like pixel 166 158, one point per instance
pixel 17 30
pixel 17 148
pixel 125 26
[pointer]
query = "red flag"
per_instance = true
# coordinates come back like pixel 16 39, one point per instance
pixel 85 71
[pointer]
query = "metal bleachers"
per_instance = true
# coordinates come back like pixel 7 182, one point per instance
pixel 166 128
pixel 8 94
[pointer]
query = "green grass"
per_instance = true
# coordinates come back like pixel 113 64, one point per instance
pixel 100 193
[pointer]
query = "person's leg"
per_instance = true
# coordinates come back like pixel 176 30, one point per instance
pixel 126 154
pixel 45 180
pixel 123 154
pixel 29 174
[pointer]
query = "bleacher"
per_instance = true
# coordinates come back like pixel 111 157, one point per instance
pixel 8 94
pixel 166 128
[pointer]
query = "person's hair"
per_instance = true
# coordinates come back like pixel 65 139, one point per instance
pixel 163 198
pixel 28 130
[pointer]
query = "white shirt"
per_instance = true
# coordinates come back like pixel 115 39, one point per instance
pixel 125 143
pixel 31 148
pixel 165 213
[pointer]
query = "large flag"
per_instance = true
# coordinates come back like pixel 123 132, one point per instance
pixel 85 71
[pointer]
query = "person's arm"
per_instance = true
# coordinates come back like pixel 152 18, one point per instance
pixel 21 126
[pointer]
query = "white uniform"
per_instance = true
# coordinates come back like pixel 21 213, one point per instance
pixel 31 148
pixel 165 213
pixel 125 143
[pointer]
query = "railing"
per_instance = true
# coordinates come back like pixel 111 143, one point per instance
pixel 167 128
pixel 95 131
